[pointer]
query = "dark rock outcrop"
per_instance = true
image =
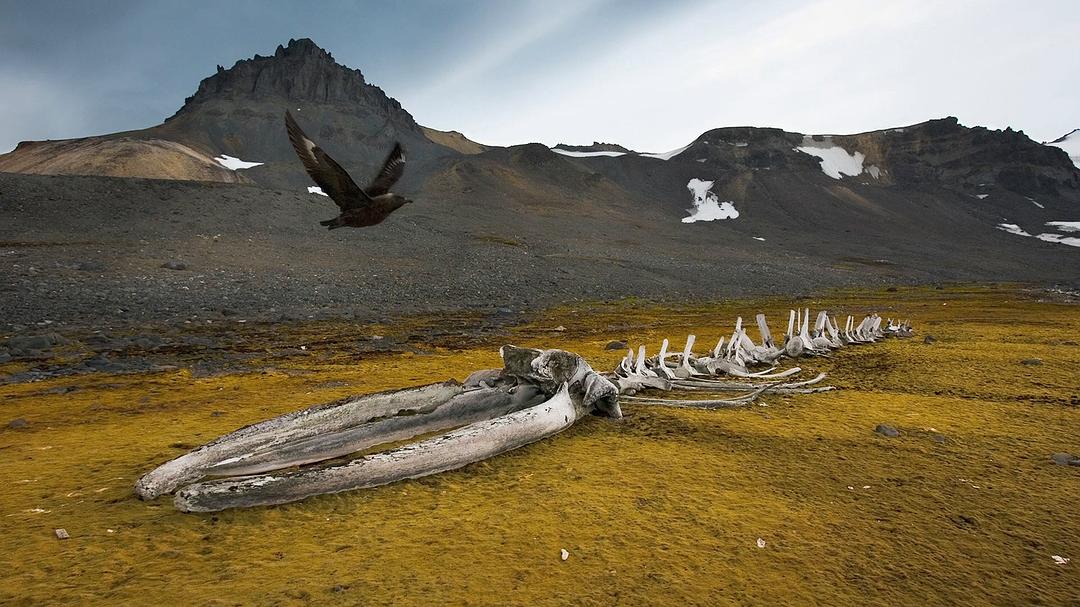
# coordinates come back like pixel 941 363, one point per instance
pixel 597 146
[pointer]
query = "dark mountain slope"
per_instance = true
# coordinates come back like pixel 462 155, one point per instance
pixel 238 112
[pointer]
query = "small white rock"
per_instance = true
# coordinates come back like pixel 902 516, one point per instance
pixel 1060 560
pixel 61 534
pixel 565 555
pixel 760 543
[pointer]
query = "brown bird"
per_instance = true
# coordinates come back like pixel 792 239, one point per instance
pixel 360 207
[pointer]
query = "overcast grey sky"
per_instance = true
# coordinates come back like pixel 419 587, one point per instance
pixel 647 74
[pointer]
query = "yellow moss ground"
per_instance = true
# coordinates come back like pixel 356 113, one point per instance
pixel 662 508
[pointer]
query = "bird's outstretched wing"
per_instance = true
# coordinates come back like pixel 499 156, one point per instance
pixel 324 171
pixel 392 170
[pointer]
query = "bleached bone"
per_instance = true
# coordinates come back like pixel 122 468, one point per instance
pixel 709 384
pixel 496 419
pixel 804 333
pixel 768 375
pixel 505 404
pixel 636 383
pixel 794 347
pixel 641 369
pixel 626 365
pixel 790 328
pixel 719 349
pixel 738 401
pixel 661 366
pixel 332 417
pixel 472 443
pixel 763 329
pixel 745 342
pixel 685 370
pixel 833 333
pixel 863 330
pixel 756 353
pixel 466 408
pixel 819 340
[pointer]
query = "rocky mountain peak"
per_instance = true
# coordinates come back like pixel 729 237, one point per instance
pixel 597 146
pixel 299 72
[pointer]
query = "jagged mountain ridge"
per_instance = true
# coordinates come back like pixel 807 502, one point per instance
pixel 237 111
pixel 519 226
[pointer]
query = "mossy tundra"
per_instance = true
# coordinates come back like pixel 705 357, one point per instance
pixel 665 507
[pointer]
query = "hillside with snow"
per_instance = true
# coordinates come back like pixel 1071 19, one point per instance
pixel 1070 142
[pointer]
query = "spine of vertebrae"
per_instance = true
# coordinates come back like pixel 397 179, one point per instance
pixel 737 366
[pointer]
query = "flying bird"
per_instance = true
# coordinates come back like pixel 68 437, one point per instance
pixel 360 207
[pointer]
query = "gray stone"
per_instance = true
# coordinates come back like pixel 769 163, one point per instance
pixel 174 264
pixel 61 534
pixel 615 345
pixel 1065 459
pixel 36 342
pixel 886 430
pixel 1031 362
pixel 929 339
pixel 18 424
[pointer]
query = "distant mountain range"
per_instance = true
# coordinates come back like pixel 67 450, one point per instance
pixel 234 119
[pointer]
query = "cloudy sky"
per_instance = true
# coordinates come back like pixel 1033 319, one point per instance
pixel 650 75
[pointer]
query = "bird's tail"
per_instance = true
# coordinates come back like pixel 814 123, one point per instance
pixel 332 223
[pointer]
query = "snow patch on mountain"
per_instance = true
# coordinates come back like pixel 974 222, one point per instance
pixel 585 154
pixel 669 155
pixel 1063 226
pixel 707 207
pixel 835 160
pixel 235 164
pixel 1012 228
pixel 663 156
pixel 1071 144
pixel 1072 241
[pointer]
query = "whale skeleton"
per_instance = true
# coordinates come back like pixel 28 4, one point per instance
pixel 333 447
